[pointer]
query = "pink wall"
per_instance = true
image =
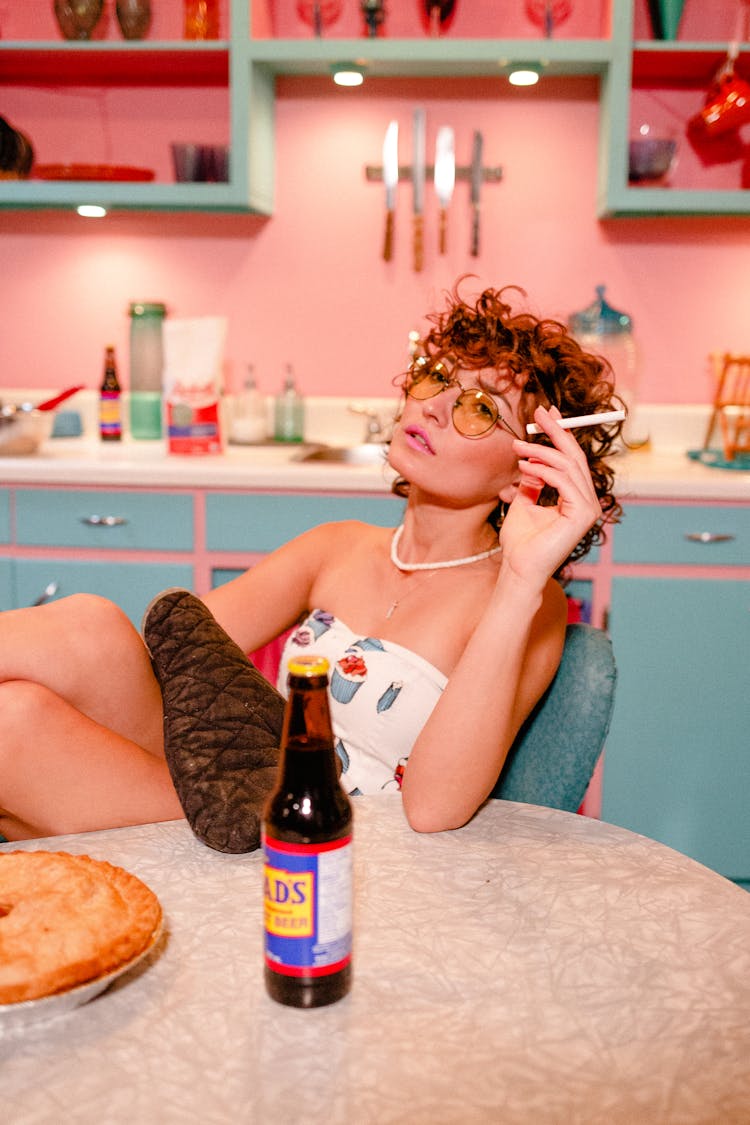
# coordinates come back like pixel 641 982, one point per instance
pixel 308 286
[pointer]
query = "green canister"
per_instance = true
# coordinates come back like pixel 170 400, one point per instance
pixel 146 365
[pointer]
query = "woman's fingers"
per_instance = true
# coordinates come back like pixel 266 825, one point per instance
pixel 530 487
pixel 561 465
pixel 565 453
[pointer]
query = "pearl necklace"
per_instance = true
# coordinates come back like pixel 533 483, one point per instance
pixel 397 562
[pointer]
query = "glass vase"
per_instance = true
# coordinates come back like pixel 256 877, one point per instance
pixel 134 17
pixel 201 19
pixel 78 18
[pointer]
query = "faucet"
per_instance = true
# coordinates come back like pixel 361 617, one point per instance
pixel 374 429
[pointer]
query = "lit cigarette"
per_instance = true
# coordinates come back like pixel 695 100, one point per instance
pixel 581 420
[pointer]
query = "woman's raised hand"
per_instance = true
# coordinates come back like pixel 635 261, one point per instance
pixel 536 540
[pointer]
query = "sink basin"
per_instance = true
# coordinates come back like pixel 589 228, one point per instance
pixel 370 453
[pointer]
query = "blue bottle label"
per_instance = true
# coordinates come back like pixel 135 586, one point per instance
pixel 307 894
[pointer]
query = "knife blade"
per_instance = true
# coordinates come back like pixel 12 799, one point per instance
pixel 390 179
pixel 476 187
pixel 418 180
pixel 445 178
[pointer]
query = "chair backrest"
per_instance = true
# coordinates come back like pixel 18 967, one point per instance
pixel 731 404
pixel 554 755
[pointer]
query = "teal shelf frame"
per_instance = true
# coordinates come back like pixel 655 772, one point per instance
pixel 668 61
pixel 429 58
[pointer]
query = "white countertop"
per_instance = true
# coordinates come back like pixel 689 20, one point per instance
pixel 533 967
pixel 76 461
pixel 661 471
pixel 646 474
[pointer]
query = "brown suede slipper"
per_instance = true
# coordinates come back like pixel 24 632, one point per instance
pixel 222 721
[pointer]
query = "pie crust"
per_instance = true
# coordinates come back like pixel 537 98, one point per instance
pixel 67 919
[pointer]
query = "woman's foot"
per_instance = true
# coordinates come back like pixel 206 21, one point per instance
pixel 222 722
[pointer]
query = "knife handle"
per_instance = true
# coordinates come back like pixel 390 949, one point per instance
pixel 475 234
pixel 388 241
pixel 418 243
pixel 442 239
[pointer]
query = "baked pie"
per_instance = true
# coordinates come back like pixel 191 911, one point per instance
pixel 68 919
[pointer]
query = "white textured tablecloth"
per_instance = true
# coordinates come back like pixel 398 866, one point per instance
pixel 534 967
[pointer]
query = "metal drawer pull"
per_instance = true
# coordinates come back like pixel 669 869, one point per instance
pixel 103 521
pixel 47 593
pixel 709 537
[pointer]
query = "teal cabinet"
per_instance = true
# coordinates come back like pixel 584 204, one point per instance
pixel 689 534
pixel 262 522
pixel 6 585
pixel 677 760
pixel 111 520
pixel 4 517
pixel 123 544
pixel 129 585
pixel 677 764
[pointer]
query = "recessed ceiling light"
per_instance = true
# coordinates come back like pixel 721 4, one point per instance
pixel 524 74
pixel 348 74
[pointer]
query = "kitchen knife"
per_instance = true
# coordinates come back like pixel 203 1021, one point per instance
pixel 418 181
pixel 445 177
pixel 390 179
pixel 476 187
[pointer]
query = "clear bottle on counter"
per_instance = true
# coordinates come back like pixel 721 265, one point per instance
pixel 249 421
pixel 289 411
pixel 146 367
pixel 110 417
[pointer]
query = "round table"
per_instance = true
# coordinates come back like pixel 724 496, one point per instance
pixel 533 967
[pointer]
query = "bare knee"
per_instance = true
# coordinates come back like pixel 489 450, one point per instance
pixel 26 708
pixel 95 635
pixel 90 614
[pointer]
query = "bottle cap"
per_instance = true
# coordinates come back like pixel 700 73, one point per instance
pixel 308 665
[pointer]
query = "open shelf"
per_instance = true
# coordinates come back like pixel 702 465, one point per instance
pixel 105 63
pixel 242 70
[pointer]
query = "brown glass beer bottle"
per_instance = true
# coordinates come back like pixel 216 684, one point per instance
pixel 110 423
pixel 307 845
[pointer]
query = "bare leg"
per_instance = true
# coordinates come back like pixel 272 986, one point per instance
pixel 82 744
pixel 62 772
pixel 84 649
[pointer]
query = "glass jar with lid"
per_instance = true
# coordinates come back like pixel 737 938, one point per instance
pixel 607 332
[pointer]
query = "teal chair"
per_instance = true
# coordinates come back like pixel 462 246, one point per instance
pixel 554 755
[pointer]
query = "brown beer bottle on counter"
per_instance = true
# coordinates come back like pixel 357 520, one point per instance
pixel 110 416
pixel 307 845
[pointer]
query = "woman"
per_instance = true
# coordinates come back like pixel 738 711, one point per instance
pixel 456 621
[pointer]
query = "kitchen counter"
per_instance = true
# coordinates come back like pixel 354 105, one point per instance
pixel 660 471
pixel 665 473
pixel 76 461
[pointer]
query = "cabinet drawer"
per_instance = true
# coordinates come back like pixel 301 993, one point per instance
pixel 4 517
pixel 117 520
pixel 262 523
pixel 130 585
pixel 695 534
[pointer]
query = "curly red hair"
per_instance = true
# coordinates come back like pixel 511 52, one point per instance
pixel 542 359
